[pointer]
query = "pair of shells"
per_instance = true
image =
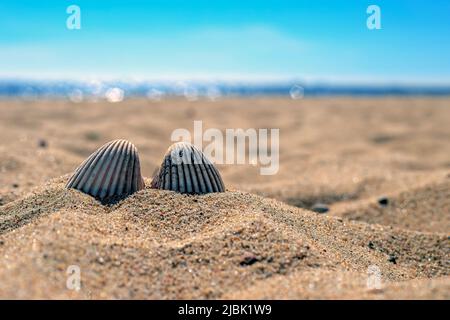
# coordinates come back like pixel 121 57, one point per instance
pixel 113 172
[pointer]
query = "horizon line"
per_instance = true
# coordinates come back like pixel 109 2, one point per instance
pixel 251 79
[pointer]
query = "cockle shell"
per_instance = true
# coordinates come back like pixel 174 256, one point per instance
pixel 113 171
pixel 185 169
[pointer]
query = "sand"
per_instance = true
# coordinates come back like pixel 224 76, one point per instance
pixel 257 240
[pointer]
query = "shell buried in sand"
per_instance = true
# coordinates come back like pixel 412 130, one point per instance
pixel 113 171
pixel 185 169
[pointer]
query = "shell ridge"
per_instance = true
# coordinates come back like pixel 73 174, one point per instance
pixel 174 157
pixel 198 170
pixel 98 185
pixel 90 173
pixel 139 180
pixel 133 184
pixel 186 175
pixel 187 179
pixel 130 171
pixel 211 178
pixel 204 171
pixel 136 174
pixel 77 178
pixel 218 178
pixel 205 176
pixel 123 170
pixel 173 173
pixel 181 178
pixel 193 174
pixel 113 183
pixel 166 173
pixel 98 168
pixel 108 183
pixel 76 174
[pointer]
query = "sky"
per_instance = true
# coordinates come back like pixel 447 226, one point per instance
pixel 312 40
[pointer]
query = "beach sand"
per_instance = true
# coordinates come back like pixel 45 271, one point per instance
pixel 258 240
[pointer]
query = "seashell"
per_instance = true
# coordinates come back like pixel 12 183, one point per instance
pixel 113 171
pixel 185 169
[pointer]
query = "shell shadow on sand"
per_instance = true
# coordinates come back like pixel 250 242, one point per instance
pixel 110 174
pixel 185 169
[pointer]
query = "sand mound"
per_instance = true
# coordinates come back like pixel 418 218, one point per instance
pixel 159 244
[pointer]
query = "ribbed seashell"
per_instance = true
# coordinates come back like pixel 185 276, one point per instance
pixel 185 169
pixel 113 171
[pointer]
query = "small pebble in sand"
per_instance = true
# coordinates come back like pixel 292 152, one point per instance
pixel 371 245
pixel 320 208
pixel 190 113
pixel 42 143
pixel 248 259
pixel 383 201
pixel 15 185
pixel 392 259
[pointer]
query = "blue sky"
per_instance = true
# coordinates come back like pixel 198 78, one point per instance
pixel 316 39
